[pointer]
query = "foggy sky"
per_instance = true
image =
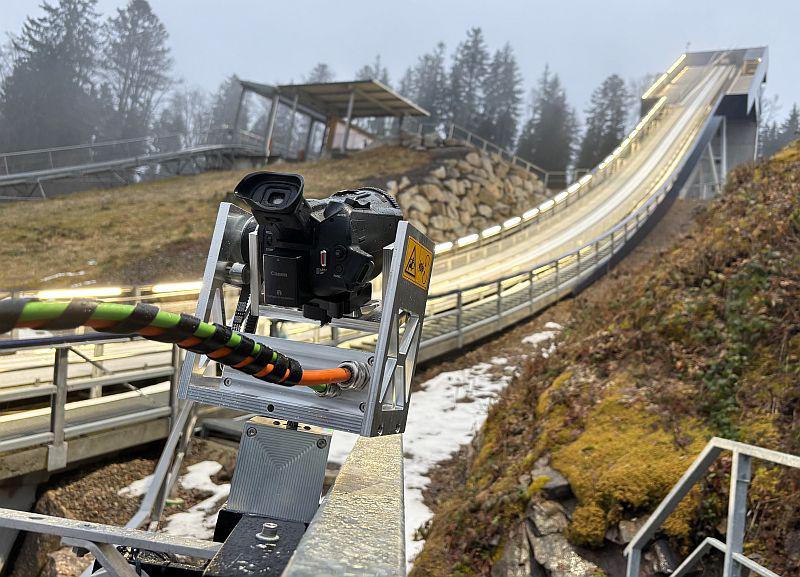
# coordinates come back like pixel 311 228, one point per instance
pixel 582 40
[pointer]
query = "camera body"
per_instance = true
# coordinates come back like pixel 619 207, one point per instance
pixel 317 255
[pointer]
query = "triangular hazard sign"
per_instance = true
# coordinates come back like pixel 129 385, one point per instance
pixel 411 265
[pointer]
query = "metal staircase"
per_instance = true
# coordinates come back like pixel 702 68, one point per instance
pixel 735 560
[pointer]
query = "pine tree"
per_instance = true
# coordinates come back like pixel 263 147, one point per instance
pixel 430 82
pixel 465 95
pixel 548 136
pixel 768 139
pixel 790 129
pixel 374 71
pixel 224 104
pixel 320 73
pixel 773 136
pixel 136 65
pixel 50 97
pixel 502 90
pixel 605 121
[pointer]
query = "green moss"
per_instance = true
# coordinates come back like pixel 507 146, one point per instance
pixel 588 526
pixel 624 460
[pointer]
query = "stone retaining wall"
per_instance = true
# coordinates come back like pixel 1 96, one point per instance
pixel 467 191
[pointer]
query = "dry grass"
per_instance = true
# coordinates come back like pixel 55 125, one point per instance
pixel 153 231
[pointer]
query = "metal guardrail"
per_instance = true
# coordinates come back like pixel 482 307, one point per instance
pixel 742 456
pixel 59 430
pixel 95 152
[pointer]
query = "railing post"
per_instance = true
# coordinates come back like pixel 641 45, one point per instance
pixel 737 512
pixel 556 285
pixel 96 392
pixel 499 289
pixel 610 254
pixel 57 450
pixel 459 318
pixel 530 291
pixel 173 385
pixel 452 130
pixel 5 163
pixel 634 562
pixel 50 156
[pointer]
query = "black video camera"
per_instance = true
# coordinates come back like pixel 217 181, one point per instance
pixel 318 255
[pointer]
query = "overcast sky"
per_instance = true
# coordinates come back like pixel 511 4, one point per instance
pixel 582 40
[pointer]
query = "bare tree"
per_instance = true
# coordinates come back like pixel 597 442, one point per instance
pixel 187 113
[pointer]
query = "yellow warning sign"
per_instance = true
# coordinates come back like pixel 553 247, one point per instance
pixel 417 264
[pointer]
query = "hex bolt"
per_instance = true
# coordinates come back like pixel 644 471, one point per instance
pixel 251 431
pixel 226 381
pixel 322 443
pixel 269 532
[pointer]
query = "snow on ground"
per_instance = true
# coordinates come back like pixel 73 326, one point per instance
pixel 198 521
pixel 137 488
pixel 544 338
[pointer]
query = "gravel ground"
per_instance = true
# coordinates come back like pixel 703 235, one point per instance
pixel 91 493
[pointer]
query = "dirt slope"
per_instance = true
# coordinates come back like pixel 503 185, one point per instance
pixel 702 340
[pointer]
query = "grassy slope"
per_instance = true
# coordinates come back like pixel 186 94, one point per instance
pixel 705 341
pixel 157 230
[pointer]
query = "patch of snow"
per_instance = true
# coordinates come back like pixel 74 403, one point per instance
pixel 498 361
pixel 137 488
pixel 199 520
pixel 553 326
pixel 464 397
pixel 538 338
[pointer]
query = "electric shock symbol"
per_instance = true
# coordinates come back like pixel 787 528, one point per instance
pixel 418 261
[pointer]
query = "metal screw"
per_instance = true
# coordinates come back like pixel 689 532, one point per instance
pixel 397 428
pixel 371 361
pixel 269 532
pixel 226 382
pixel 380 429
pixel 362 407
pixel 251 431
pixel 322 443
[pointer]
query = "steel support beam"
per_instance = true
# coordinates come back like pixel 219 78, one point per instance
pixel 273 113
pixel 349 120
pixel 737 513
pixel 57 450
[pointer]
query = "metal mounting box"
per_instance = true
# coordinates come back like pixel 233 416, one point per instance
pixel 379 408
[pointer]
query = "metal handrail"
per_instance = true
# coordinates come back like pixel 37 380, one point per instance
pixel 742 456
pixel 48 157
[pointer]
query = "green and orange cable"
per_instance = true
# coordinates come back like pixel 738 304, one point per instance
pixel 220 343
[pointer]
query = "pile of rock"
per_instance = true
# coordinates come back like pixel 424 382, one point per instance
pixel 538 546
pixel 468 192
